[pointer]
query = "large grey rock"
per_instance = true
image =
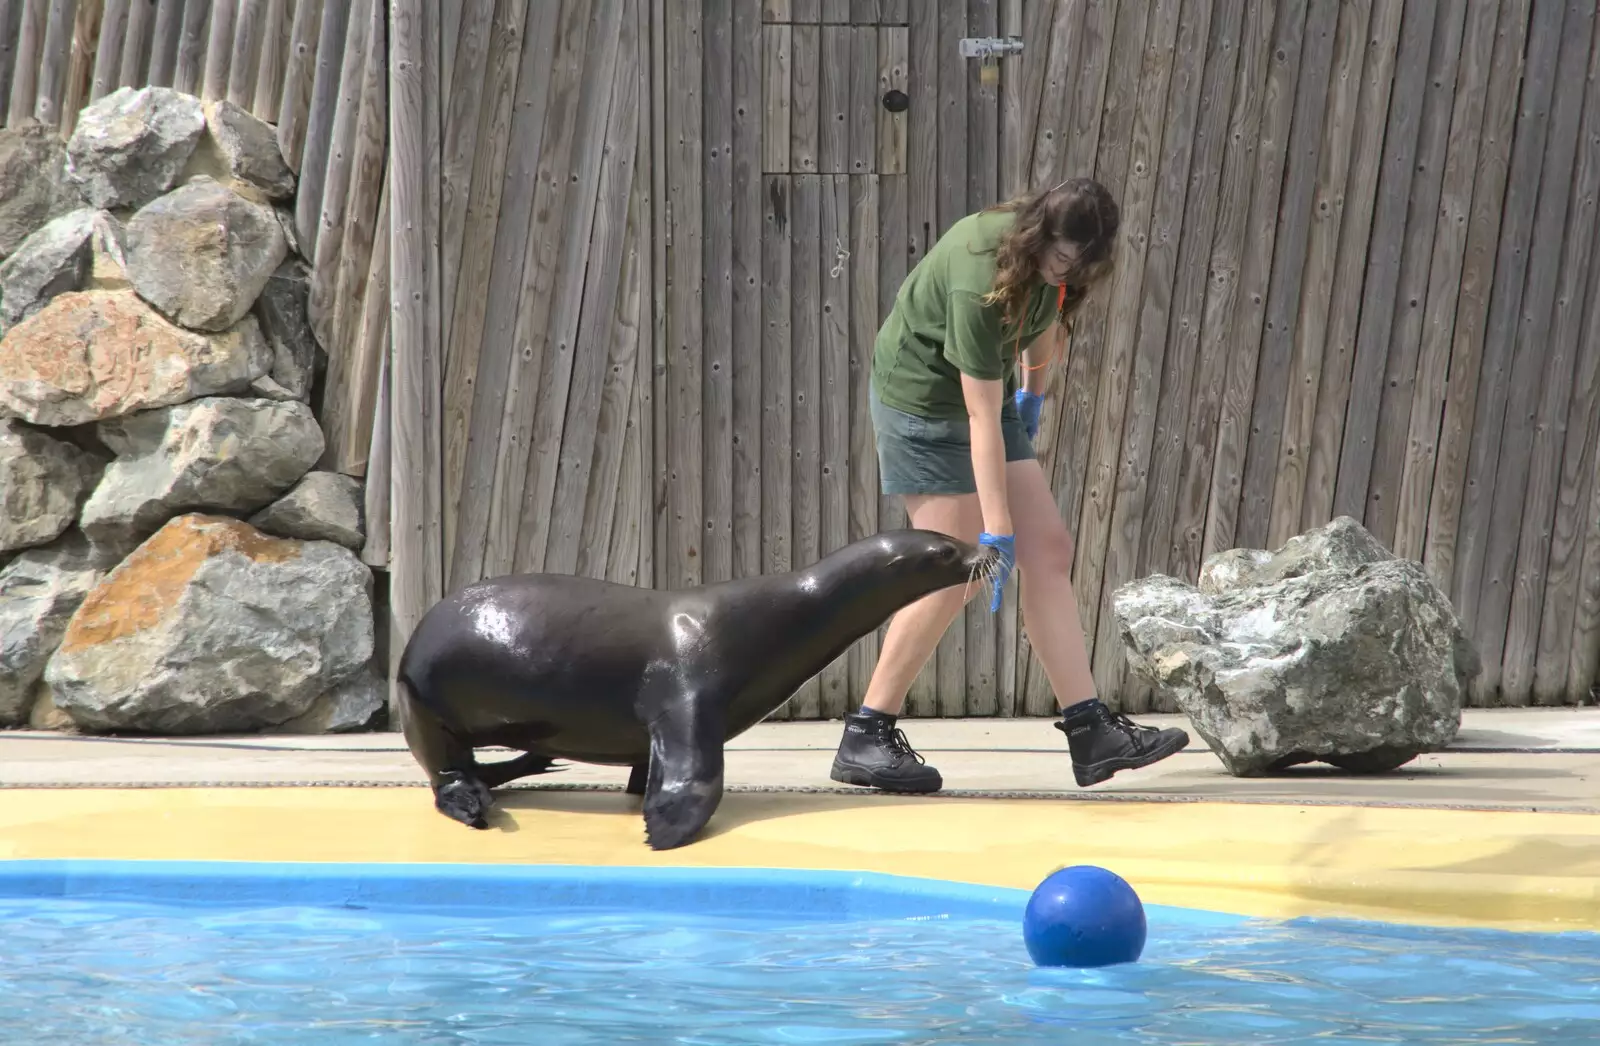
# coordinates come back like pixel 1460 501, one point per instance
pixel 130 146
pixel 217 454
pixel 39 591
pixel 54 260
pixel 323 506
pixel 281 310
pixel 349 706
pixel 249 148
pixel 43 483
pixel 33 182
pixel 202 253
pixel 1330 649
pixel 211 626
pixel 92 355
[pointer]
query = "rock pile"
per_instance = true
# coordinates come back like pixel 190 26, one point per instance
pixel 1330 649
pixel 176 563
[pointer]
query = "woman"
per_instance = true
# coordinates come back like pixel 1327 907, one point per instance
pixel 954 430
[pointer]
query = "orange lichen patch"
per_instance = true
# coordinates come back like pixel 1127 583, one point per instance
pixel 146 586
pixel 104 348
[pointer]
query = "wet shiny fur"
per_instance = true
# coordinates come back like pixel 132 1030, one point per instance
pixel 562 667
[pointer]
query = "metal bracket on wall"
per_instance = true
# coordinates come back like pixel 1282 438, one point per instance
pixel 989 49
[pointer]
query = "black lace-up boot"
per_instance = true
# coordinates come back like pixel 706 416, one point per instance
pixel 1103 742
pixel 874 753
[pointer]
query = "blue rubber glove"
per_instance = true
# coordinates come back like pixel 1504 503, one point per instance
pixel 1006 546
pixel 1029 405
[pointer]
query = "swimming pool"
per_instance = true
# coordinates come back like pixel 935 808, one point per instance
pixel 137 953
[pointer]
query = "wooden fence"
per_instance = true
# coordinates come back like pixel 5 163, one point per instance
pixel 634 254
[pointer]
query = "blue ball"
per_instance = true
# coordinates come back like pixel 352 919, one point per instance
pixel 1084 916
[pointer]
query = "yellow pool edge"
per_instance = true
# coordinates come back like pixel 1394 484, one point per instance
pixel 1508 870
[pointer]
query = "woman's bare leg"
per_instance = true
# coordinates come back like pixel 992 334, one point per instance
pixel 1102 743
pixel 914 633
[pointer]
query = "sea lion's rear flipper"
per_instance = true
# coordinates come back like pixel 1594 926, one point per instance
pixel 684 782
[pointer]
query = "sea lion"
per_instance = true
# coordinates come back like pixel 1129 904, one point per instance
pixel 563 667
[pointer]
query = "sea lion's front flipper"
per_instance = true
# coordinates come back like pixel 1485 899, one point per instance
pixel 684 782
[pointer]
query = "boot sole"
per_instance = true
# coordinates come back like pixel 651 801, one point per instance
pixel 1104 770
pixel 855 775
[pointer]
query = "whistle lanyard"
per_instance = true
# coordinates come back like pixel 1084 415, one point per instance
pixel 1061 336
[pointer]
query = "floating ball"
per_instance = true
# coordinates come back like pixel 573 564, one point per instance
pixel 1084 916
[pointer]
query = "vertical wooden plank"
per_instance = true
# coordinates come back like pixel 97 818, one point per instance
pixel 1394 417
pixel 893 58
pixel 108 51
pixel 748 56
pixel 685 390
pixel 451 14
pixel 190 65
pixel 1583 648
pixel 10 29
pixel 53 59
pixel 1136 340
pixel 219 45
pixel 462 112
pixel 1013 155
pixel 31 23
pixel 1383 265
pixel 379 475
pixel 1350 267
pixel 952 79
pixel 616 493
pixel 580 436
pixel 243 61
pixel 1544 552
pixel 1191 278
pixel 835 12
pixel 863 138
pixel 776 98
pixel 871 242
pixel 294 103
pixel 865 12
pixel 532 529
pixel 416 575
pixel 552 214
pixel 716 283
pixel 1538 363
pixel 1310 334
pixel 357 399
pixel 777 366
pixel 655 440
pixel 1174 132
pixel 983 115
pixel 775 11
pixel 1562 583
pixel 1473 590
pixel 274 60
pixel 893 12
pixel 1263 450
pixel 334 92
pixel 805 98
pixel 805 10
pixel 80 64
pixel 359 77
pixel 1477 278
pixel 1059 88
pixel 806 349
pixel 477 397
pixel 1233 425
pixel 1444 282
pixel 833 147
pixel 922 130
pixel 834 404
pixel 165 36
pixel 134 69
pixel 1025 82
pixel 509 114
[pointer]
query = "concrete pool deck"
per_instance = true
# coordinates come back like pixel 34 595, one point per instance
pixel 1501 830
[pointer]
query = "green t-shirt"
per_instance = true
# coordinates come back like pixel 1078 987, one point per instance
pixel 940 328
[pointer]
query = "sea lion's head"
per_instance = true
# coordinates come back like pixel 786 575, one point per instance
pixel 927 559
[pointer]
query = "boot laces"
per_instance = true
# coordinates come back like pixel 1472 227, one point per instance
pixel 1131 730
pixel 893 740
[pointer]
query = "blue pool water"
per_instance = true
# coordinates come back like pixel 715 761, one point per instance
pixel 325 956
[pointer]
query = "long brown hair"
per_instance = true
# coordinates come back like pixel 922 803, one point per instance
pixel 1079 211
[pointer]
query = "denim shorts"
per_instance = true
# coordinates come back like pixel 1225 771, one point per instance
pixel 918 455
